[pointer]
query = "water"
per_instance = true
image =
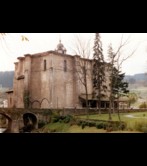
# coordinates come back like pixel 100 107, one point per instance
pixel 2 130
pixel 132 116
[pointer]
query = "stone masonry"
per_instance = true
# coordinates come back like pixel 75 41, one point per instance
pixel 50 77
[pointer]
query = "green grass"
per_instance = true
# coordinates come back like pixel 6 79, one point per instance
pixel 138 121
pixel 78 129
pixel 123 116
pixel 64 128
pixel 136 124
pixel 55 127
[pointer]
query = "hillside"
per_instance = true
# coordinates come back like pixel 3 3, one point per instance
pixel 135 78
pixel 6 79
pixel 138 85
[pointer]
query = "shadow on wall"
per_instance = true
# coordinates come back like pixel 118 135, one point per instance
pixel 40 104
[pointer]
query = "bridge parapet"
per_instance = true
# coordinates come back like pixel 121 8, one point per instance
pixel 22 118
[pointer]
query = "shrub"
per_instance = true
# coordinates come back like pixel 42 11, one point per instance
pixel 72 123
pixel 143 105
pixel 114 126
pixel 55 119
pixel 117 126
pixel 122 126
pixel 79 122
pixel 141 126
pixel 60 120
pixel 99 125
pixel 109 126
pixel 83 124
pixel 92 124
pixel 41 124
pixel 67 119
pixel 47 112
pixel 144 129
pixel 105 124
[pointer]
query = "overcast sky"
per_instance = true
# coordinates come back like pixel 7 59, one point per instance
pixel 12 47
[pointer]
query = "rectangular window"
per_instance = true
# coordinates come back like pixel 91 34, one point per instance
pixel 44 65
pixel 65 65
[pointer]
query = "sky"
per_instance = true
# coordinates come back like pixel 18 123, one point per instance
pixel 11 47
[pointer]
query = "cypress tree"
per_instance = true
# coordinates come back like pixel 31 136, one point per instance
pixel 98 71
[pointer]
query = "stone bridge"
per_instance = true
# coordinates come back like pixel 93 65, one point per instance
pixel 17 119
pixel 29 118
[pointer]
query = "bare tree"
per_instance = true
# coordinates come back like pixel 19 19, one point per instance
pixel 116 59
pixel 111 57
pixel 2 35
pixel 82 48
pixel 23 37
pixel 6 37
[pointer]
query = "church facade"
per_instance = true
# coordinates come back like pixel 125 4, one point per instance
pixel 50 80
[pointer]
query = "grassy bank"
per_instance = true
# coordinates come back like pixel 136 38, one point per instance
pixel 66 128
pixel 134 121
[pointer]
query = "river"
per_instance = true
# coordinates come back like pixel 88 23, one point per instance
pixel 2 130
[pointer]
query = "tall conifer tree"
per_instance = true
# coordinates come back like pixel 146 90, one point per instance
pixel 98 71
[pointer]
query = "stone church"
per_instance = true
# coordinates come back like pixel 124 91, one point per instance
pixel 50 80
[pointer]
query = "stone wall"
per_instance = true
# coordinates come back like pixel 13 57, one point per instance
pixel 44 112
pixel 52 79
pixel 51 76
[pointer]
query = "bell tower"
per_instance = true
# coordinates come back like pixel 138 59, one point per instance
pixel 60 48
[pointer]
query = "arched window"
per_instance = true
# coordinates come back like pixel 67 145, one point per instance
pixel 44 65
pixel 65 65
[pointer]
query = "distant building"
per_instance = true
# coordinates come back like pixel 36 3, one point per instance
pixel 50 80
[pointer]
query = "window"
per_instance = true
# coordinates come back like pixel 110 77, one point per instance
pixel 44 65
pixel 10 100
pixel 65 65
